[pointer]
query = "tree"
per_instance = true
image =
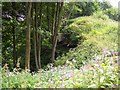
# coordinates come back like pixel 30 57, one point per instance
pixel 57 19
pixel 28 16
pixel 39 36
pixel 34 32
pixel 14 38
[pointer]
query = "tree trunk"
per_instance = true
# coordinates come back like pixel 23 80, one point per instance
pixel 48 16
pixel 27 63
pixel 39 37
pixel 35 47
pixel 53 33
pixel 53 22
pixel 14 38
pixel 57 24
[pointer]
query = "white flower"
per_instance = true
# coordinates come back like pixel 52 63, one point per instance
pixel 67 62
pixel 74 60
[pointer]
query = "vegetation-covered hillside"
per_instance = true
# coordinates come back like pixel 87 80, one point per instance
pixel 92 64
pixel 59 45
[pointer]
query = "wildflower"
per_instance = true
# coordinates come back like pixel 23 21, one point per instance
pixel 50 81
pixel 67 62
pixel 98 58
pixel 7 16
pixel 62 85
pixel 70 75
pixel 11 74
pixel 20 19
pixel 64 73
pixel 51 65
pixel 111 58
pixel 117 57
pixel 84 70
pixel 15 71
pixel 113 53
pixel 105 52
pixel 73 60
pixel 98 62
pixel 39 70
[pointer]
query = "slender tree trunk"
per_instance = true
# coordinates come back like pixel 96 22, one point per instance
pixel 35 47
pixel 55 35
pixel 38 21
pixel 48 16
pixel 59 16
pixel 57 24
pixel 14 38
pixel 53 22
pixel 27 63
pixel 39 37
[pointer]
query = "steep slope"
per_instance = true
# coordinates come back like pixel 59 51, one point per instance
pixel 98 32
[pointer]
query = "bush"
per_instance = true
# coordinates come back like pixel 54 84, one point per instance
pixel 81 54
pixel 74 32
pixel 98 34
pixel 100 15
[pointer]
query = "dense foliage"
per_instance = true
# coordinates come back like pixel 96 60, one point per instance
pixel 59 45
pixel 96 36
pixel 94 62
pixel 14 29
pixel 99 73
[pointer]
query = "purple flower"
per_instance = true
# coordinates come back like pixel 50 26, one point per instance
pixel 98 62
pixel 111 58
pixel 39 71
pixel 105 52
pixel 70 74
pixel 98 58
pixel 7 16
pixel 113 53
pixel 20 19
pixel 62 85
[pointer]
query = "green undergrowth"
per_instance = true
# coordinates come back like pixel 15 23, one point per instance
pixel 99 73
pixel 99 33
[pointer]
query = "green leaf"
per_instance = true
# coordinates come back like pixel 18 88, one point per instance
pixel 92 86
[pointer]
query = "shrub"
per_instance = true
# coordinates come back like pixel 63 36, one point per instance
pixel 98 34
pixel 100 15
